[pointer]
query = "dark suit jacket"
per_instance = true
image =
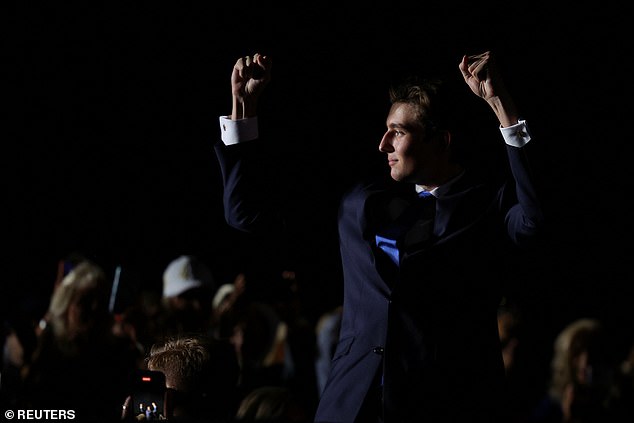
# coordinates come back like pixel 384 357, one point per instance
pixel 429 326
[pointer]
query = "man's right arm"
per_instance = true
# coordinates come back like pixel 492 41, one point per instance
pixel 247 201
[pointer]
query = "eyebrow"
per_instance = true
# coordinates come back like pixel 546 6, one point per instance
pixel 397 125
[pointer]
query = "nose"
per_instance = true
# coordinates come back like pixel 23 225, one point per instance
pixel 385 146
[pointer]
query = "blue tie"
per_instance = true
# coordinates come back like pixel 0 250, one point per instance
pixel 392 238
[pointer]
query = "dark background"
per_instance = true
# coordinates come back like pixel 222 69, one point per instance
pixel 113 112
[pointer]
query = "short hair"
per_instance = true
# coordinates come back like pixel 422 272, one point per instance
pixel 420 93
pixel 196 363
pixel 432 97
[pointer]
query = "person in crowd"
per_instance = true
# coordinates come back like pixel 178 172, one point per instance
pixel 424 244
pixel 79 364
pixel 509 324
pixel 201 379
pixel 272 404
pixel 581 376
pixel 257 332
pixel 327 333
pixel 621 396
pixel 13 353
pixel 188 290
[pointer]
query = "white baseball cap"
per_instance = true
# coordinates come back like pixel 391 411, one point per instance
pixel 185 273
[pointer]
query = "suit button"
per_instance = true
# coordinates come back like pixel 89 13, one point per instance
pixel 378 350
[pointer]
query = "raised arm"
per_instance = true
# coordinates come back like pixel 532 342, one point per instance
pixel 248 185
pixel 525 215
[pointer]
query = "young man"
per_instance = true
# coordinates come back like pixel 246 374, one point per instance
pixel 422 273
pixel 201 379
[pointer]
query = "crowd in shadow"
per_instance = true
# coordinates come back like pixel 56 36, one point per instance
pixel 231 355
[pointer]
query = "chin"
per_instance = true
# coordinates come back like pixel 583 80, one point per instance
pixel 399 177
pixel 396 176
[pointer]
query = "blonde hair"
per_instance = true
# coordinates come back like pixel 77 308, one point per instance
pixel 574 339
pixel 85 283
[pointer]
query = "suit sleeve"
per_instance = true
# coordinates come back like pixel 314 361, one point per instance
pixel 249 197
pixel 525 217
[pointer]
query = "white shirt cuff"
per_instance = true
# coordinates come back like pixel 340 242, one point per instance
pixel 236 131
pixel 516 135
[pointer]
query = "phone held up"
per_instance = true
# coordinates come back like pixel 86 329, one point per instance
pixel 148 394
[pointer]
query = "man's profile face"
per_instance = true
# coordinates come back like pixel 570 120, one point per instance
pixel 410 154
